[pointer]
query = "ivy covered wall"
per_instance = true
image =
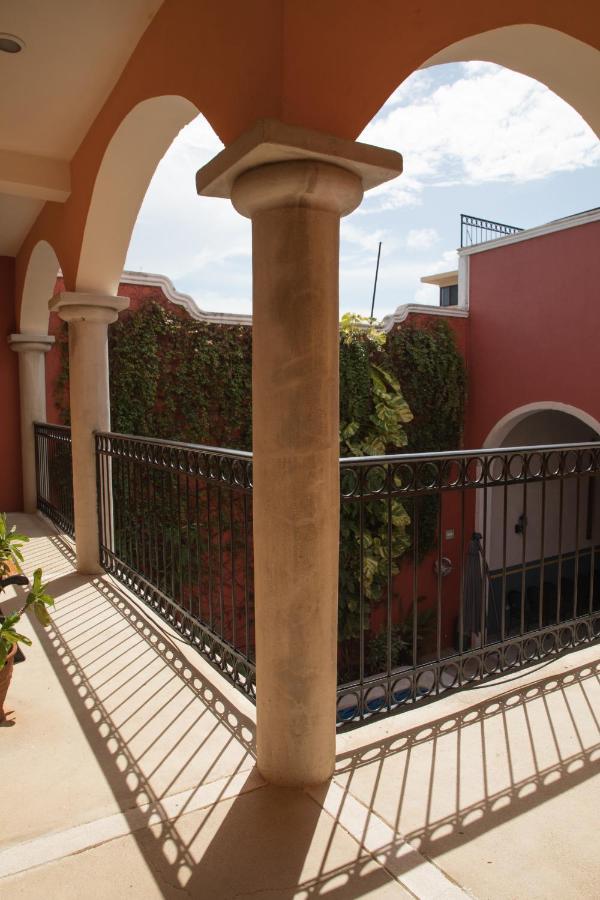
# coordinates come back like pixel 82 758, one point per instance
pixel 181 379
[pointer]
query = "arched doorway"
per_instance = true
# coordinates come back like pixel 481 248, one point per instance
pixel 539 520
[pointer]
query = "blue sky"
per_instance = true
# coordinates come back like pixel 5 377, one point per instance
pixel 475 138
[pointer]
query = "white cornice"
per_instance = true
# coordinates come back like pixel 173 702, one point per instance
pixel 442 279
pixel 148 279
pixel 529 233
pixel 402 313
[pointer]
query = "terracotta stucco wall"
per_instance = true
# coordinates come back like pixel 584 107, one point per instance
pixel 10 441
pixel 534 327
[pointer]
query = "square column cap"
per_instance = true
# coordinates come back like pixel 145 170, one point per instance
pixel 24 341
pixel 73 306
pixel 272 141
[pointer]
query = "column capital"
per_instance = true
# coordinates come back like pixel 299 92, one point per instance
pixel 270 142
pixel 35 342
pixel 304 183
pixel 73 306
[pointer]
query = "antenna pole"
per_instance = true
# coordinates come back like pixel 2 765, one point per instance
pixel 375 284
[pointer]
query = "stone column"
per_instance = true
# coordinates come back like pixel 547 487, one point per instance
pixel 32 390
pixel 295 185
pixel 88 316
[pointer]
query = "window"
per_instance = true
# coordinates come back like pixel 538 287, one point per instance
pixel 449 295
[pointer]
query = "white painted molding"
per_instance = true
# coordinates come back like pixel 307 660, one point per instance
pixel 505 425
pixel 406 309
pixel 171 293
pixel 442 279
pixel 585 218
pixel 150 279
pixel 463 282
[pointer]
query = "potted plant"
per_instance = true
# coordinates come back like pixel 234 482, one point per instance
pixel 37 599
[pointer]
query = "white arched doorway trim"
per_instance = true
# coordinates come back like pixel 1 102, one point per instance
pixel 484 523
pixel 505 425
pixel 129 162
pixel 38 289
pixel 569 67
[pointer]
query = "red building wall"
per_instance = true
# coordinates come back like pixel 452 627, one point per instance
pixel 11 497
pixel 533 327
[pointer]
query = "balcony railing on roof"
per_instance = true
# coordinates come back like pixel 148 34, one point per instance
pixel 479 231
pixel 454 567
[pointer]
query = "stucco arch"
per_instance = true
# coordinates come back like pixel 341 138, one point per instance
pixel 505 425
pixel 569 67
pixel 127 167
pixel 497 509
pixel 38 288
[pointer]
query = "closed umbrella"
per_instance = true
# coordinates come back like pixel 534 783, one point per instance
pixel 473 591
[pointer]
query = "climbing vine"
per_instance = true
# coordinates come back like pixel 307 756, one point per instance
pixel 428 364
pixel 373 416
pixel 179 379
pixel 433 377
pixel 175 378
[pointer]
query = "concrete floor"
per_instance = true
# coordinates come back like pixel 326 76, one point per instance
pixel 134 775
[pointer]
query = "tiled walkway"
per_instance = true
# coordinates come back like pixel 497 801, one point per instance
pixel 135 776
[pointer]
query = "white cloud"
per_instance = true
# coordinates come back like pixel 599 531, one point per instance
pixel 490 125
pixel 421 238
pixel 362 238
pixel 194 240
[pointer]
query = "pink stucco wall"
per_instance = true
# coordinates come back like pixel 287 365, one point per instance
pixel 534 327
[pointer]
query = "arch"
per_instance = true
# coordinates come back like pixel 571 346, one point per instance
pixel 497 509
pixel 566 65
pixel 505 425
pixel 127 167
pixel 38 288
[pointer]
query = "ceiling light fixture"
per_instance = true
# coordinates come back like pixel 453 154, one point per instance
pixel 10 43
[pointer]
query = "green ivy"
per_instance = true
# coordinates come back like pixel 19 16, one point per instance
pixel 432 372
pixel 373 416
pixel 179 379
pixel 175 378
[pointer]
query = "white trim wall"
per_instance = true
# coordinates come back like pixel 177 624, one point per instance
pixel 149 279
pixel 406 309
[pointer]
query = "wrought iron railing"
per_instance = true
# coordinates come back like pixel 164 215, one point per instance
pixel 479 231
pixel 457 567
pixel 54 474
pixel 454 567
pixel 175 526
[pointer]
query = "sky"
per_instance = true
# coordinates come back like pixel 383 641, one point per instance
pixel 476 138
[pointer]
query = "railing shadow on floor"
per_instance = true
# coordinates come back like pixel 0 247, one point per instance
pixel 212 851
pixel 132 773
pixel 240 832
pixel 444 738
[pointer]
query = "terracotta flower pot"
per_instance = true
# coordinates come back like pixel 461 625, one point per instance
pixel 5 677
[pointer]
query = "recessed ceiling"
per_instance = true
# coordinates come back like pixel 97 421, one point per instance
pixel 51 92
